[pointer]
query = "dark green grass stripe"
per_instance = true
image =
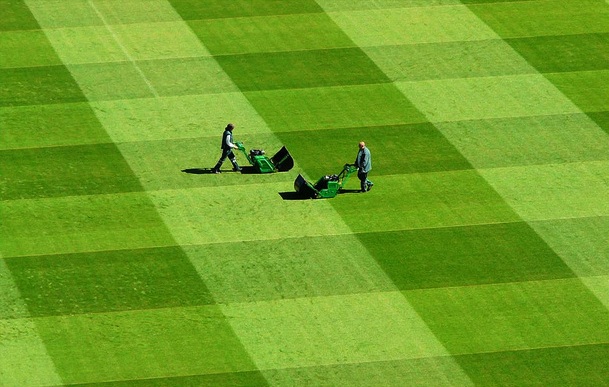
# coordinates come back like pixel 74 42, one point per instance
pixel 16 16
pixel 601 118
pixel 415 148
pixel 108 281
pixel 38 86
pixel 65 171
pixel 219 9
pixel 301 69
pixel 462 256
pixel 233 379
pixel 549 54
pixel 581 366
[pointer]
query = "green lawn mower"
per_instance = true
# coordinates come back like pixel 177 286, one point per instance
pixel 327 186
pixel 282 161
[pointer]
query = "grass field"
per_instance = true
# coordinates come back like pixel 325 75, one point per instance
pixel 480 258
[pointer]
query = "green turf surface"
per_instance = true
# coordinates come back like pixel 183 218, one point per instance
pixel 488 97
pixel 142 344
pixel 465 256
pixel 601 119
pixel 413 25
pixel 26 48
pixel 586 89
pixel 415 148
pixel 302 69
pixel 479 257
pixel 25 360
pixel 582 243
pixel 512 316
pixel 554 191
pixel 584 365
pixel 72 124
pixel 294 333
pixel 80 224
pixel 550 54
pixel 226 36
pixel 65 171
pixel 543 18
pixel 218 9
pixel 463 59
pixel 288 268
pixel 81 283
pixel 37 86
pixel 336 107
pixel 531 140
pixel 16 16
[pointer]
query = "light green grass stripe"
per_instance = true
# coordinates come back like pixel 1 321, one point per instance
pixel 381 27
pixel 332 330
pixel 24 361
pixel 557 191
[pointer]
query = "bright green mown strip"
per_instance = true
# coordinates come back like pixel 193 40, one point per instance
pixel 107 281
pixel 91 44
pixel 188 76
pixel 354 5
pixel 513 316
pixel 462 256
pixel 142 344
pixel 467 59
pixel 288 268
pixel 329 330
pixel 147 41
pixel 242 213
pixel 583 243
pixel 490 97
pixel 531 140
pixel 108 81
pixel 554 191
pixel 24 360
pixel 185 117
pixel 411 26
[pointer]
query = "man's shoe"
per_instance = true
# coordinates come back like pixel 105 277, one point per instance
pixel 216 171
pixel 237 169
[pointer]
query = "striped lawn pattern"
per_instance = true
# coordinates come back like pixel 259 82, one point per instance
pixel 480 258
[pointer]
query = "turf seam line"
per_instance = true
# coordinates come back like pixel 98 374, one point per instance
pixel 123 48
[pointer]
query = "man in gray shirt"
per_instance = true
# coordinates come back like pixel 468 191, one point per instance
pixel 363 162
